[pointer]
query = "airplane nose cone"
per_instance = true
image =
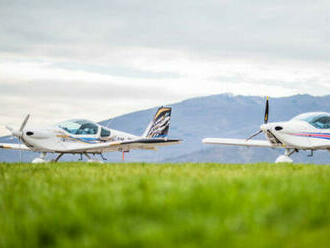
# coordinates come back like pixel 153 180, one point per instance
pixel 265 127
pixel 273 127
pixel 17 133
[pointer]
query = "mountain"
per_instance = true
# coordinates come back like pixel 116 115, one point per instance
pixel 222 115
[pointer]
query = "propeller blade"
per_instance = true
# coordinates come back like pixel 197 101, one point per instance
pixel 252 136
pixel 14 132
pixel 10 129
pixel 24 123
pixel 265 120
pixel 266 111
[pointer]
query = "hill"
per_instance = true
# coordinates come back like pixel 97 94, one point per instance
pixel 222 115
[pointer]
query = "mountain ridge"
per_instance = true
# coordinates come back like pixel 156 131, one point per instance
pixel 223 115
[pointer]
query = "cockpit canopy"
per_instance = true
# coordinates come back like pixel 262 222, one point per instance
pixel 79 127
pixel 317 120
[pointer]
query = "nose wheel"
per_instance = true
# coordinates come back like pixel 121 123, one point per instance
pixel 286 157
pixel 41 159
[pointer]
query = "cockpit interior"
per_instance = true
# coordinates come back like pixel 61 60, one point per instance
pixel 79 127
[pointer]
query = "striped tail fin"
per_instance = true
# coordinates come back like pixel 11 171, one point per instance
pixel 159 126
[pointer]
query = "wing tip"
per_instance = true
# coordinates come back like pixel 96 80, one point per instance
pixel 207 140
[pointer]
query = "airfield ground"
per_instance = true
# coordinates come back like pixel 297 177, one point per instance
pixel 164 205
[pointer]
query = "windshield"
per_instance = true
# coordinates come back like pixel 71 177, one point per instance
pixel 318 120
pixel 79 127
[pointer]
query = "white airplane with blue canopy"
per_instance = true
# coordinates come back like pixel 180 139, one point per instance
pixel 308 131
pixel 88 138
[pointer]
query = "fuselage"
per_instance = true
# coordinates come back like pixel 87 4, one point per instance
pixel 85 137
pixel 310 131
pixel 71 134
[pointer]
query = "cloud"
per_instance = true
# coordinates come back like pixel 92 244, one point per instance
pixel 298 29
pixel 96 59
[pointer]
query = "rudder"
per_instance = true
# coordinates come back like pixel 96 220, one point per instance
pixel 159 126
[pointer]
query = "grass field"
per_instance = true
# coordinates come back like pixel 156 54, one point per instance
pixel 164 205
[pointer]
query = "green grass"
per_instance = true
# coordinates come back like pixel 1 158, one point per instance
pixel 164 205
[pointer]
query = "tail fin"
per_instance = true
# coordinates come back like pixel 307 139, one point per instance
pixel 159 126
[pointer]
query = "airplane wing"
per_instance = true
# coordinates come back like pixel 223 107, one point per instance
pixel 14 146
pixel 138 144
pixel 239 142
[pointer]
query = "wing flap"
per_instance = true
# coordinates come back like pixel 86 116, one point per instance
pixel 144 144
pixel 238 142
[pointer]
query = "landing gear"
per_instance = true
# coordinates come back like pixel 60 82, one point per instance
pixel 58 157
pixel 41 159
pixel 283 159
pixel 104 158
pixel 312 154
pixel 286 157
pixel 92 160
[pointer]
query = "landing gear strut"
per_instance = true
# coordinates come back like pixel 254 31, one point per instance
pixel 312 154
pixel 58 157
pixel 104 158
pixel 286 157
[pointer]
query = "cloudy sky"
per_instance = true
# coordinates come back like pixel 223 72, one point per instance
pixel 99 59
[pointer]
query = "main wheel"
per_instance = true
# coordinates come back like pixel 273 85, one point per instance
pixel 39 161
pixel 284 159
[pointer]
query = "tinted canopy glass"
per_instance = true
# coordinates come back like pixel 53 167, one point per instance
pixel 105 133
pixel 79 127
pixel 318 120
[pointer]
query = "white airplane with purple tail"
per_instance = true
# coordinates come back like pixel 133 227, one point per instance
pixel 309 131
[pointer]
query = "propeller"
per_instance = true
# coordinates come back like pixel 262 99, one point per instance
pixel 19 133
pixel 266 117
pixel 24 122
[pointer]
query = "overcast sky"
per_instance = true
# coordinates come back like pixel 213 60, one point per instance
pixel 99 59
